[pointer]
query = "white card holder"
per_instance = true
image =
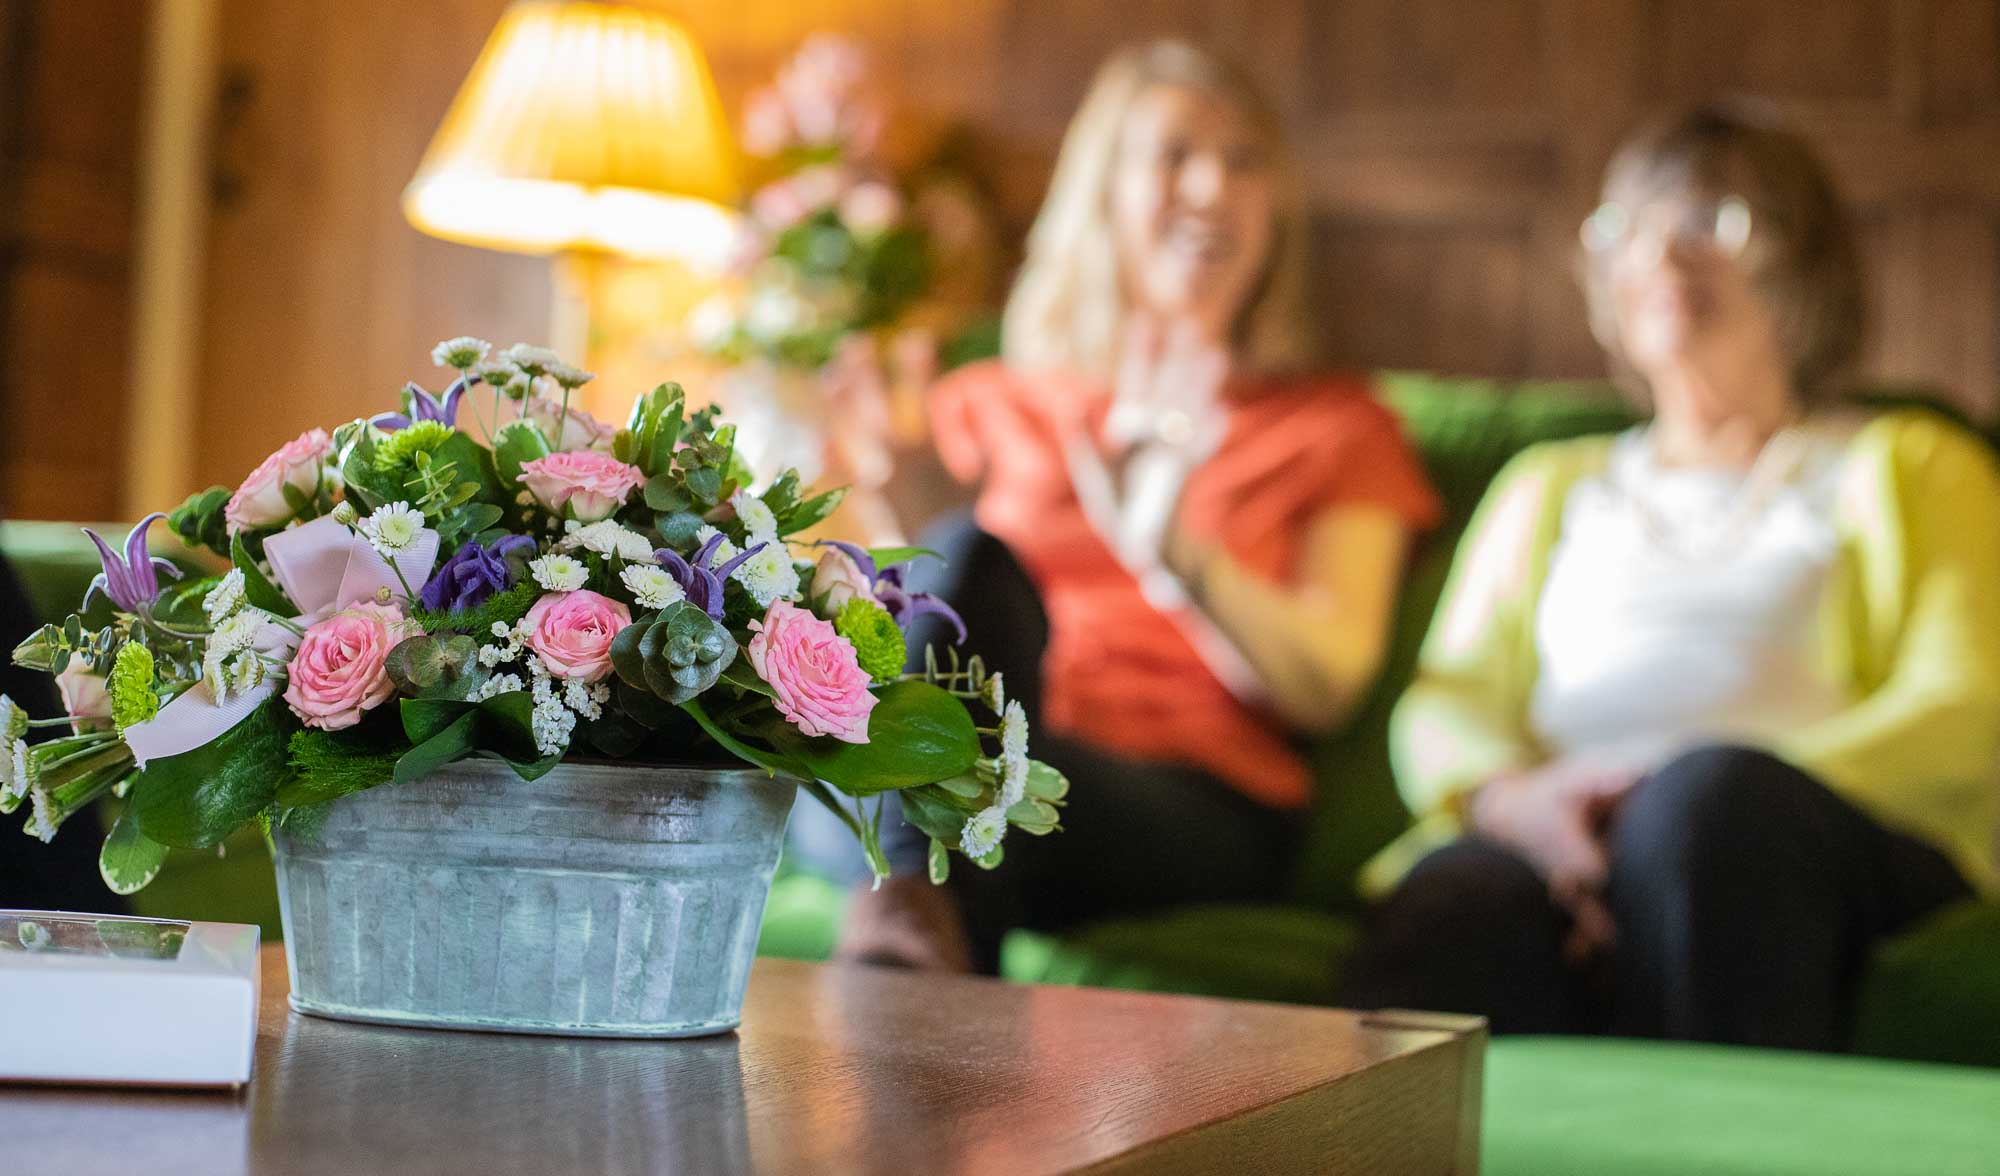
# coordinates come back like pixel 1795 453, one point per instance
pixel 105 999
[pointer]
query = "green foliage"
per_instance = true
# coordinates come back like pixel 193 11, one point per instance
pixel 436 667
pixel 652 431
pixel 327 765
pixel 129 858
pixel 878 642
pixel 917 734
pixel 519 443
pixel 443 730
pixel 199 797
pixel 504 607
pixel 676 656
pixel 130 685
pixel 257 587
pixel 49 648
pixel 199 520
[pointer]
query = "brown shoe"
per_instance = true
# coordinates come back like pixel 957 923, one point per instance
pixel 906 923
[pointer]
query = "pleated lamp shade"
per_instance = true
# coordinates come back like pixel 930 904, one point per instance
pixel 582 127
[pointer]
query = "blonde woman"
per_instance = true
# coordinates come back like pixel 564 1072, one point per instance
pixel 1185 545
pixel 1711 706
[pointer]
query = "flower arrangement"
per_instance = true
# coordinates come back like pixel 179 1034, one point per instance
pixel 844 271
pixel 526 584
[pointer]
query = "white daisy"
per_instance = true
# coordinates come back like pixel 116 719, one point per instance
pixel 462 353
pixel 983 831
pixel 345 514
pixel 559 573
pixel 570 378
pixel 41 820
pixel 768 575
pixel 994 694
pixel 225 599
pixel 13 720
pixel 606 537
pixel 758 522
pixel 724 551
pixel 1013 755
pixel 651 586
pixel 392 528
pixel 533 360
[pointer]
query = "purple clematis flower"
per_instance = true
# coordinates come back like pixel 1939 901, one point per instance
pixel 132 581
pixel 425 407
pixel 902 605
pixel 473 574
pixel 702 583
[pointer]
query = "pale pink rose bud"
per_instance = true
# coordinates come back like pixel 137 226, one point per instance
pixel 575 429
pixel 836 580
pixel 260 501
pixel 339 670
pixel 767 126
pixel 84 697
pixel 586 484
pixel 871 207
pixel 572 631
pixel 813 671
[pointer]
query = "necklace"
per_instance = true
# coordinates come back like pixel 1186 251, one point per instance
pixel 1714 537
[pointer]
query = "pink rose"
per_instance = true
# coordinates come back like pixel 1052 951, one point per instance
pixel 836 580
pixel 260 501
pixel 84 697
pixel 578 429
pixel 820 685
pixel 571 632
pixel 338 670
pixel 589 484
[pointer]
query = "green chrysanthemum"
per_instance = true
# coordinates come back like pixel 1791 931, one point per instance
pixel 131 686
pixel 398 451
pixel 878 643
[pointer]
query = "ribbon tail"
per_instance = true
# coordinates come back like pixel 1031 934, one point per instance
pixel 193 720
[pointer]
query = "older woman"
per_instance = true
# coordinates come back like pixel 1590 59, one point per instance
pixel 1711 706
pixel 1187 545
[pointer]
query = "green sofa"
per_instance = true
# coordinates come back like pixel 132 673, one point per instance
pixel 1554 1105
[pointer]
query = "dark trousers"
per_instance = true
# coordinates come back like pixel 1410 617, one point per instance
pixel 1746 895
pixel 1136 836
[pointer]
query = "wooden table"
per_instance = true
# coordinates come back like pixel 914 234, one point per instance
pixel 836 1069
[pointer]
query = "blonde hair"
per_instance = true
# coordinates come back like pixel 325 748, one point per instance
pixel 1802 250
pixel 1067 304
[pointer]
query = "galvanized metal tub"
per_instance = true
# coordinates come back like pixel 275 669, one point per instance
pixel 600 900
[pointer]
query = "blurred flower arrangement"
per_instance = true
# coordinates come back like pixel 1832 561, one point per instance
pixel 493 573
pixel 851 284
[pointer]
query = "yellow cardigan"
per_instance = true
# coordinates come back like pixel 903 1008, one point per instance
pixel 1910 630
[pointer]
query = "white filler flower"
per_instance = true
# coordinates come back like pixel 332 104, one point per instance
pixel 462 353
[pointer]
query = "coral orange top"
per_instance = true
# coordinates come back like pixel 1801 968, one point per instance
pixel 1117 672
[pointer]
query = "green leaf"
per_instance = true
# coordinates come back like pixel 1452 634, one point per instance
pixel 965 786
pixel 257 589
pixel 773 762
pixel 742 675
pixel 199 797
pixel 434 666
pixel 917 734
pixel 664 496
pixel 520 442
pixel 1033 816
pixel 129 859
pixel 940 863
pixel 933 811
pixel 448 745
pixel 783 495
pixel 1045 782
pixel 887 557
pixel 705 483
pixel 41 649
pixel 678 528
pixel 812 510
pixel 677 656
pixel 200 522
pixel 471 462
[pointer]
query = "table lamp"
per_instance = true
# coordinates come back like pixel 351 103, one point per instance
pixel 584 129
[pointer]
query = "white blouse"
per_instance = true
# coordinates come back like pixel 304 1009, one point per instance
pixel 1682 604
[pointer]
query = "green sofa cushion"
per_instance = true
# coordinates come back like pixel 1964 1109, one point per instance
pixel 1577 1107
pixel 1933 994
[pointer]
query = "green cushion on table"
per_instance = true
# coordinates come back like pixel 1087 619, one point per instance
pixel 1260 952
pixel 1563 1106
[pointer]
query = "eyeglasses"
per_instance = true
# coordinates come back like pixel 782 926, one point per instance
pixel 1721 224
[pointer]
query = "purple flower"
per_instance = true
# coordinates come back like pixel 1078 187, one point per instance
pixel 132 582
pixel 702 583
pixel 903 605
pixel 473 574
pixel 422 406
